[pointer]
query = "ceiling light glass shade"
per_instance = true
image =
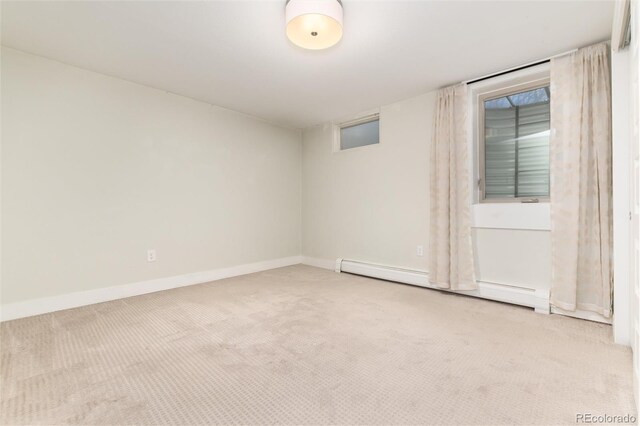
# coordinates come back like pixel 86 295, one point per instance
pixel 314 24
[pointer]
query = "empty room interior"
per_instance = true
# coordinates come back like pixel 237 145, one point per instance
pixel 320 212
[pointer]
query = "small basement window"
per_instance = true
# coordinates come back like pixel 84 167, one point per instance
pixel 362 132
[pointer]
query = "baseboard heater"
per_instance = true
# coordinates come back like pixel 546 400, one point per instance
pixel 517 295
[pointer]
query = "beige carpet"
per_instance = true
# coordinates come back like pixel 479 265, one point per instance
pixel 301 345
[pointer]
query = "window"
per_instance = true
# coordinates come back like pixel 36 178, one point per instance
pixel 361 132
pixel 514 130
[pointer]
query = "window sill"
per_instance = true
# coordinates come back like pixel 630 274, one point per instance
pixel 527 216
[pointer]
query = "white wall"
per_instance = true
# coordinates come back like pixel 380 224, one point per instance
pixel 371 203
pixel 625 71
pixel 622 193
pixel 634 288
pixel 96 170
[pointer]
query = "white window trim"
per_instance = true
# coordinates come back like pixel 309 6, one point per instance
pixel 498 215
pixel 354 120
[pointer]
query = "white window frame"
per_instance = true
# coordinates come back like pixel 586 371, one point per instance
pixel 354 121
pixel 496 87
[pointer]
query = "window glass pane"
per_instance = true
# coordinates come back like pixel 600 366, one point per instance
pixel 516 145
pixel 533 150
pixel 497 103
pixel 360 135
pixel 499 153
pixel 530 97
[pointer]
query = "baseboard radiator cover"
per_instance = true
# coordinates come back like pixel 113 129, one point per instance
pixel 516 295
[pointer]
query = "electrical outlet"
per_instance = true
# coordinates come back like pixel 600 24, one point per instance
pixel 151 255
pixel 419 251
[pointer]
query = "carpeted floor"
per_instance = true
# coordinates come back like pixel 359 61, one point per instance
pixel 301 345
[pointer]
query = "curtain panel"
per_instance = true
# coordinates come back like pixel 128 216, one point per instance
pixel 450 249
pixel 581 187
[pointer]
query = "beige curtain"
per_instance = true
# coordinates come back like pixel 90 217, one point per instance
pixel 450 250
pixel 581 209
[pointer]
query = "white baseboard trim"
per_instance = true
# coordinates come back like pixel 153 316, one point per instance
pixel 517 295
pixel 319 263
pixel 45 305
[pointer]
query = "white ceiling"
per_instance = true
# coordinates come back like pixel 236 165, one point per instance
pixel 235 53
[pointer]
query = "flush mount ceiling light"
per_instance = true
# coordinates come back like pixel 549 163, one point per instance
pixel 314 24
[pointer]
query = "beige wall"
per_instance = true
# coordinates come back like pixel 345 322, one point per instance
pixel 371 203
pixel 96 170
